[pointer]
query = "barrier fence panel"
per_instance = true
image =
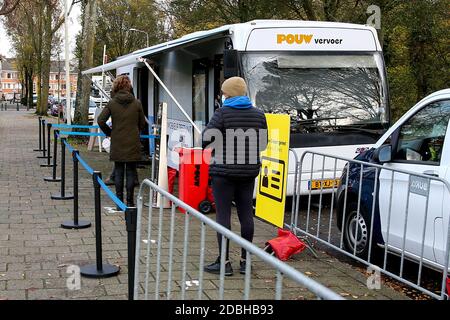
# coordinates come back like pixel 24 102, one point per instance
pixel 171 249
pixel 394 221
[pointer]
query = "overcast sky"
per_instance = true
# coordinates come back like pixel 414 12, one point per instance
pixel 5 41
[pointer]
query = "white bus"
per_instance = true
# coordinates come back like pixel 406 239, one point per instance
pixel 329 77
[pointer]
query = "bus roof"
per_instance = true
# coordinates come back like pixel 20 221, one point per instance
pixel 240 32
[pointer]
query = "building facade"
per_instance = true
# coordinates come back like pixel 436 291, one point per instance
pixel 11 85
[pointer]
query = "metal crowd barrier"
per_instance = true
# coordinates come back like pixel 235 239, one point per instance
pixel 356 226
pixel 151 283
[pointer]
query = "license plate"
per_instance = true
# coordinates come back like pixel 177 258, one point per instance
pixel 323 184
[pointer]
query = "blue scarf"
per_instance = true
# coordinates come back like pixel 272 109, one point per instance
pixel 240 102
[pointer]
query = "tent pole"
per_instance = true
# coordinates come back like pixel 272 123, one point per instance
pixel 170 94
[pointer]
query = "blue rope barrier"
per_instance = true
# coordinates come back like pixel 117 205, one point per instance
pixel 95 134
pixel 148 136
pixel 74 126
pixel 69 147
pixel 112 196
pixel 85 165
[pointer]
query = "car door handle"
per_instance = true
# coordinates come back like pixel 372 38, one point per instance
pixel 431 173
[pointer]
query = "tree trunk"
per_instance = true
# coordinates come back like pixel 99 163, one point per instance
pixel 89 25
pixel 38 51
pixel 46 59
pixel 24 85
pixel 30 91
pixel 38 87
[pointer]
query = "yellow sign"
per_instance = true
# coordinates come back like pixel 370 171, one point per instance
pixel 272 180
pixel 294 38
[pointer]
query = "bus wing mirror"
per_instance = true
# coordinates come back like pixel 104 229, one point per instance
pixel 230 64
pixel 384 153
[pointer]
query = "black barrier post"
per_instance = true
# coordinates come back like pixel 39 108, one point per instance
pixel 75 224
pixel 130 219
pixel 17 106
pixel 55 150
pixel 99 269
pixel 40 136
pixel 43 140
pixel 62 195
pixel 48 164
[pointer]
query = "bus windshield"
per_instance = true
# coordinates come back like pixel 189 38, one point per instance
pixel 331 99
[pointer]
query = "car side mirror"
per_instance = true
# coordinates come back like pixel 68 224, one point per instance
pixel 384 153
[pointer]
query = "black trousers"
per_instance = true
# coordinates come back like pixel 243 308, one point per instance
pixel 122 169
pixel 226 190
pixel 113 175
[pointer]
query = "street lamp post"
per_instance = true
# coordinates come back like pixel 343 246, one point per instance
pixel 136 30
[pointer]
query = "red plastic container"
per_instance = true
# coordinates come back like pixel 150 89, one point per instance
pixel 194 178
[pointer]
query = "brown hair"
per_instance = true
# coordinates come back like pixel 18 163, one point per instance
pixel 121 83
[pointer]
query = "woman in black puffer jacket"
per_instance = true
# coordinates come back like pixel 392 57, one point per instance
pixel 242 129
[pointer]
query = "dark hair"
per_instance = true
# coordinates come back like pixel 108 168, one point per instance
pixel 121 83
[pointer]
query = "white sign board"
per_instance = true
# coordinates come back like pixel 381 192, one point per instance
pixel 180 136
pixel 311 39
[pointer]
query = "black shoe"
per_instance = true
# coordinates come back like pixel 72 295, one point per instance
pixel 215 268
pixel 242 264
pixel 130 202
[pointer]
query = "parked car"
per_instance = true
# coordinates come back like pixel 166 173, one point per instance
pixel 91 114
pixel 56 109
pixel 35 99
pixel 51 101
pixel 411 212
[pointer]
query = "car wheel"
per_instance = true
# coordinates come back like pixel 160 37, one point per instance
pixel 357 231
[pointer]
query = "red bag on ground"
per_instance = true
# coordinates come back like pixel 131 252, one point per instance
pixel 286 245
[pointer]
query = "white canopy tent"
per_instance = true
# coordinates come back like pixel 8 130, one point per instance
pixel 134 57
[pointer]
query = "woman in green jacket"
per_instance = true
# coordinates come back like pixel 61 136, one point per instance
pixel 128 121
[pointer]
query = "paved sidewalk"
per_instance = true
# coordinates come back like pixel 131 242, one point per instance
pixel 35 252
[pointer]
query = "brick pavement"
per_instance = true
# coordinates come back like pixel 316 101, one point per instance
pixel 35 252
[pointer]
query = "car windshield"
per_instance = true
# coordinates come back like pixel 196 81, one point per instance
pixel 323 94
